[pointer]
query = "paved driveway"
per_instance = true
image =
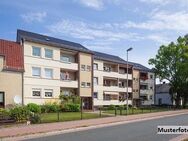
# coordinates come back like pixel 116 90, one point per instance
pixel 137 131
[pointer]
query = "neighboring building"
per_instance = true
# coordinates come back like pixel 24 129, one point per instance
pixel 11 70
pixel 54 66
pixel 143 85
pixel 162 96
pixel 110 80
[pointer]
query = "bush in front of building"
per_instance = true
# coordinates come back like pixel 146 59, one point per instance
pixel 34 118
pixel 70 107
pixel 50 108
pixel 32 107
pixel 111 107
pixel 20 113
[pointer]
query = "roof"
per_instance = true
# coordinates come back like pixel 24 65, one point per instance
pixel 13 55
pixel 47 40
pixel 108 57
pixel 140 67
pixel 162 88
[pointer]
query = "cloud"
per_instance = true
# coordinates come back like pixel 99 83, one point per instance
pixel 34 17
pixel 98 4
pixel 83 30
pixel 161 2
pixel 95 4
pixel 163 21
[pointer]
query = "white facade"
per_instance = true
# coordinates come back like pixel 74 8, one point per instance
pixel 49 88
pixel 100 89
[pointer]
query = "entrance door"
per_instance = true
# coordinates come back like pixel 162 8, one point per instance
pixel 160 101
pixel 2 99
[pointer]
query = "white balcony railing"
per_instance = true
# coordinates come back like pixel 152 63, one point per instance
pixel 69 83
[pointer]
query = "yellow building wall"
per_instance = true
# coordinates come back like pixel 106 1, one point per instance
pixel 85 76
pixel 10 84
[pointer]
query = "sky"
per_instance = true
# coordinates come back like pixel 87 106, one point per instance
pixel 108 26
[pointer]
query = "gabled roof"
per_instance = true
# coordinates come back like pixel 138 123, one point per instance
pixel 47 40
pixel 13 55
pixel 140 67
pixel 162 88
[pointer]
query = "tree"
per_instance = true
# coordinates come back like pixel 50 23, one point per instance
pixel 171 63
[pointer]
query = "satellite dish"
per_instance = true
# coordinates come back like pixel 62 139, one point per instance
pixel 17 99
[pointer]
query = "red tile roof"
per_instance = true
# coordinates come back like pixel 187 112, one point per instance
pixel 13 55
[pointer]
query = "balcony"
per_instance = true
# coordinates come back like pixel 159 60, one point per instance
pixel 68 79
pixel 68 60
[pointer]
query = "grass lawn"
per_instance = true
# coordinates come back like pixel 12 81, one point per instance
pixel 66 116
pixel 136 111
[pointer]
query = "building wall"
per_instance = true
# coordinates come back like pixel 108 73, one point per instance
pixel 11 84
pixel 41 82
pixel 85 76
pixel 136 84
pixel 100 89
pixel 165 98
pixel 150 82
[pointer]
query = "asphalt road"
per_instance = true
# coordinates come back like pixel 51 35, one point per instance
pixel 137 131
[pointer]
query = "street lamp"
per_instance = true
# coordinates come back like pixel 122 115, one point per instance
pixel 129 49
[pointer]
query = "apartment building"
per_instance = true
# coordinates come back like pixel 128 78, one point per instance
pixel 143 85
pixel 110 80
pixel 54 67
pixel 11 70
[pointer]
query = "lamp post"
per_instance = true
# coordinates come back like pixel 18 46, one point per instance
pixel 129 49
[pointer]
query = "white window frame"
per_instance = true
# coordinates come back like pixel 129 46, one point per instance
pixel 45 50
pixel 97 80
pixel 95 93
pixel 48 90
pixel 83 67
pixel 83 84
pixel 36 89
pixel 47 69
pixel 88 86
pixel 65 61
pixel 95 64
pixel 88 68
pixel 33 47
pixel 39 71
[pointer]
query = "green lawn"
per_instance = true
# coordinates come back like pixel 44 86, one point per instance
pixel 66 116
pixel 136 111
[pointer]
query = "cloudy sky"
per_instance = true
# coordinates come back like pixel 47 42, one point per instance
pixel 109 26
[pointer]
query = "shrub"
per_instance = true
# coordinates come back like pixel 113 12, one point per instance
pixel 34 118
pixel 71 107
pixel 34 108
pixel 111 107
pixel 4 112
pixel 20 113
pixel 121 107
pixel 50 108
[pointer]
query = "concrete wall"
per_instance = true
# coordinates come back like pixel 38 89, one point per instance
pixel 165 98
pixel 10 84
pixel 136 84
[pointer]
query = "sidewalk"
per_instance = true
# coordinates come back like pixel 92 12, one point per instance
pixel 63 126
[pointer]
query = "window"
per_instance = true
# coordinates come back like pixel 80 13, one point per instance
pixel 95 80
pixel 64 76
pixel 83 84
pixel 66 93
pixel 88 68
pixel 83 67
pixel 151 76
pixel 88 84
pixel 36 92
pixel 95 66
pixel 48 93
pixel 36 71
pixel 65 59
pixel 95 95
pixel 151 97
pixel 48 73
pixel 36 51
pixel 151 88
pixel 48 53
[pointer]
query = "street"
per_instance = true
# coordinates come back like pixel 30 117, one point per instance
pixel 137 131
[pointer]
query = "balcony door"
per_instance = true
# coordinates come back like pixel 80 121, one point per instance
pixel 2 99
